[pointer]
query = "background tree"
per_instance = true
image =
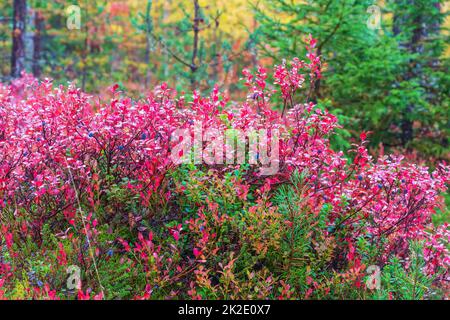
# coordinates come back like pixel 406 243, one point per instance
pixel 186 43
pixel 6 15
pixel 365 67
pixel 417 26
pixel 132 43
pixel 18 38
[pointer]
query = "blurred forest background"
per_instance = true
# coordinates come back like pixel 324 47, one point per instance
pixel 385 66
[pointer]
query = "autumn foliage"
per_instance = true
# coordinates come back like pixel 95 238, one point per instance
pixel 90 183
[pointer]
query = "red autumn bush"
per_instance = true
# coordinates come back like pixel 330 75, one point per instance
pixel 91 183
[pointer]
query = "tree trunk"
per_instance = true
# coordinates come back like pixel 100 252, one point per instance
pixel 37 43
pixel 149 31
pixel 196 28
pixel 18 36
pixel 411 44
pixel 85 53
